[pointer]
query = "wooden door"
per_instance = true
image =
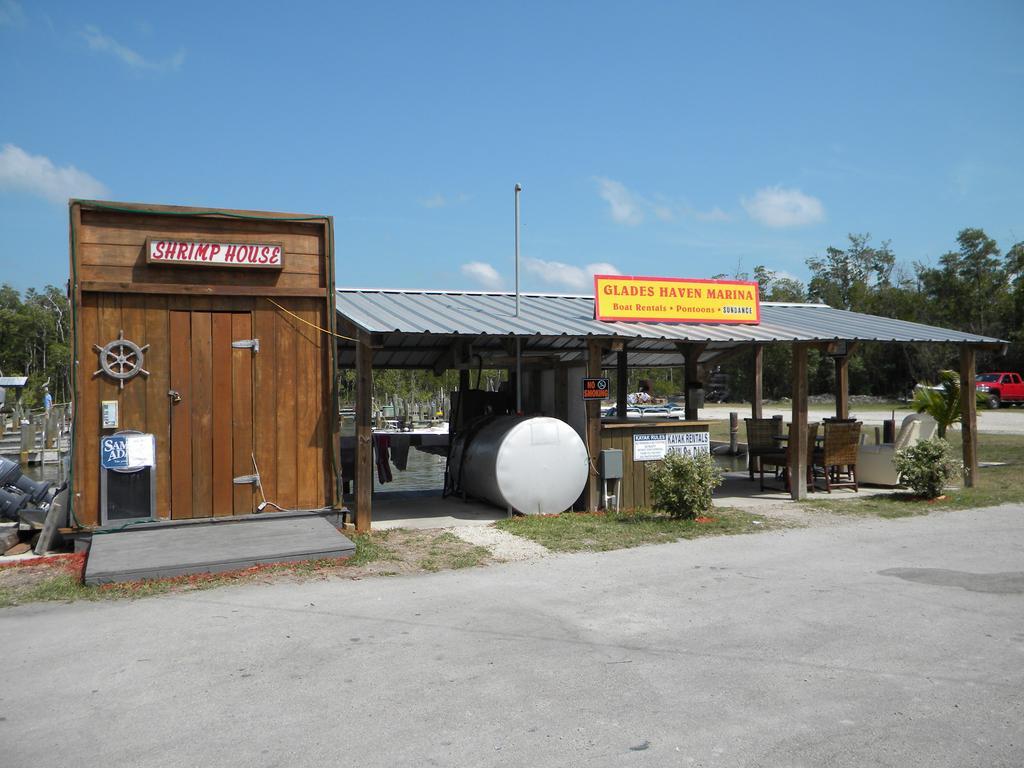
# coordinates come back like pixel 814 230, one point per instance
pixel 211 403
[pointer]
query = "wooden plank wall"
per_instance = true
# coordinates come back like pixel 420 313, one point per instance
pixel 291 384
pixel 636 491
pixel 111 243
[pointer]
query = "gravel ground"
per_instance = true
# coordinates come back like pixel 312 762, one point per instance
pixel 503 546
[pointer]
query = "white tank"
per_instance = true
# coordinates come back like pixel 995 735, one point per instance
pixel 535 465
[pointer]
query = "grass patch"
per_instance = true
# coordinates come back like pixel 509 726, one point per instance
pixel 995 485
pixel 448 551
pixel 600 532
pixel 370 548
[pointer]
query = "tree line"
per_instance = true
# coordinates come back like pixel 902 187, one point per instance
pixel 35 339
pixel 975 287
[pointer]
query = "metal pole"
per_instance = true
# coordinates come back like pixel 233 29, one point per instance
pixel 519 358
pixel 518 189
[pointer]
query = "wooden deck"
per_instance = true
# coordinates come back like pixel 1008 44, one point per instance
pixel 167 551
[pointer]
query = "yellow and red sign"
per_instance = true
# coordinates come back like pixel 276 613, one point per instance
pixel 675 300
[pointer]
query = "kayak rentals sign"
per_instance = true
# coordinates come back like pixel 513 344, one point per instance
pixel 194 253
pixel 675 300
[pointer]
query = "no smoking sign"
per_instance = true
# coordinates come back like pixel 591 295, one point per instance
pixel 595 389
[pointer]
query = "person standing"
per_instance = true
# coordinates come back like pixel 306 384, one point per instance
pixel 47 399
pixel 642 396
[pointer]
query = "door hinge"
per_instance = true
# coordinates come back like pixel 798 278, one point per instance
pixel 253 344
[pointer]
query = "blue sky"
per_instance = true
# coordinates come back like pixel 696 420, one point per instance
pixel 677 139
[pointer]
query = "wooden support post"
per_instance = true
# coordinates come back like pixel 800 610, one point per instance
pixel 756 404
pixel 593 408
pixel 562 393
pixel 621 383
pixel 968 407
pixel 842 387
pixel 456 419
pixel 798 443
pixel 692 353
pixel 533 402
pixel 364 433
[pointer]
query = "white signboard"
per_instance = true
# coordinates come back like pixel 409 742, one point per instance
pixel 690 443
pixel 649 447
pixel 655 447
pixel 192 253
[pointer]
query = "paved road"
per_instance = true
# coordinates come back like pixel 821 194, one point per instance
pixel 874 643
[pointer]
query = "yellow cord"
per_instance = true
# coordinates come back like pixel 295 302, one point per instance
pixel 314 325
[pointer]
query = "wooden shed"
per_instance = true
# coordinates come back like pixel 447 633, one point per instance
pixel 211 331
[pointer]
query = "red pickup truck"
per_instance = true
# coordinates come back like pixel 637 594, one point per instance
pixel 1000 388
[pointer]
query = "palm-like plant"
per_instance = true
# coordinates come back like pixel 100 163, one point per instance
pixel 942 402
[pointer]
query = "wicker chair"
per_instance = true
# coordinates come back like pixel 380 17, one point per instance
pixel 760 440
pixel 780 457
pixel 836 461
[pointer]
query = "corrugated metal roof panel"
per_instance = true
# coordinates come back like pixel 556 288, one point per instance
pixel 445 313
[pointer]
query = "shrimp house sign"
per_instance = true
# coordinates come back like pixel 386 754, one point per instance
pixel 675 300
pixel 193 253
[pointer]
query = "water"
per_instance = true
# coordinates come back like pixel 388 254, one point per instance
pixel 49 471
pixel 425 472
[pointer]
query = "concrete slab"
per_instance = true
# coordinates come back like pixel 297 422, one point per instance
pixel 738 490
pixel 131 555
pixel 427 509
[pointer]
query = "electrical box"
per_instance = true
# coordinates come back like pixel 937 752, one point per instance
pixel 611 464
pixel 108 413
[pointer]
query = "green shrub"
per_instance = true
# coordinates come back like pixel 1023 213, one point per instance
pixel 927 467
pixel 681 485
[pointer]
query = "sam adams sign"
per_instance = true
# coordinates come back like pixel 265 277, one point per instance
pixel 675 300
pixel 192 253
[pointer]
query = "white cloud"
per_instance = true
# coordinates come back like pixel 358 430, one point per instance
pixel 11 14
pixel 435 201
pixel 100 42
pixel 779 207
pixel 566 275
pixel 631 208
pixel 663 212
pixel 715 214
pixel 443 201
pixel 624 206
pixel 38 175
pixel 483 274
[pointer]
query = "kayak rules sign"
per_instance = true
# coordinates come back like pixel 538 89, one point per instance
pixel 675 300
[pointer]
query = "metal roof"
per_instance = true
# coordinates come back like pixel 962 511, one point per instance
pixel 413 329
pixel 13 381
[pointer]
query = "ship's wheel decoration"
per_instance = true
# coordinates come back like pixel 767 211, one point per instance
pixel 121 359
